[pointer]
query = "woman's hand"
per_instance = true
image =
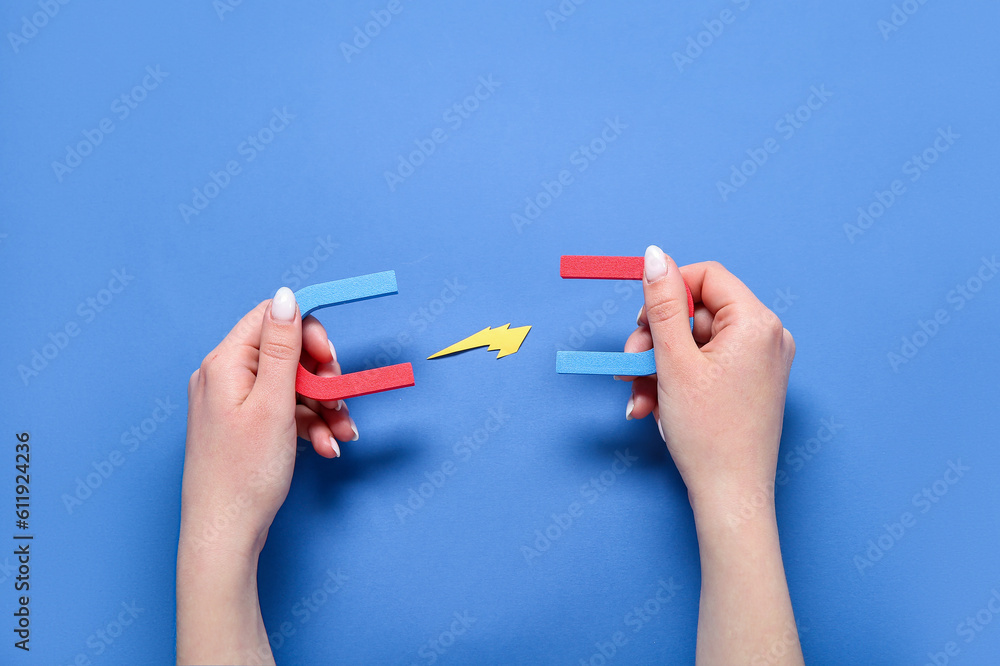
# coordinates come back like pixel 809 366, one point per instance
pixel 719 392
pixel 243 418
pixel 718 397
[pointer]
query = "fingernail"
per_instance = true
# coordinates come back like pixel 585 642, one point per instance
pixel 629 407
pixel 354 427
pixel 659 426
pixel 333 351
pixel 338 406
pixel 638 317
pixel 283 305
pixel 656 264
pixel 336 449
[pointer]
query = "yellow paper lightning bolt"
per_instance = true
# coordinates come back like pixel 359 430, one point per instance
pixel 506 340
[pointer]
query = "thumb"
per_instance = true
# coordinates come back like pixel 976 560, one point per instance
pixel 667 310
pixel 280 348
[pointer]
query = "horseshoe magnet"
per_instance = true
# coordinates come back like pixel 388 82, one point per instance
pixel 354 384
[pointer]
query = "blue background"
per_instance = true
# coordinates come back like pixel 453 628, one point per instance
pixel 322 180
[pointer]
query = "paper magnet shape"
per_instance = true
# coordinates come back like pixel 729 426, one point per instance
pixel 504 339
pixel 622 364
pixel 354 384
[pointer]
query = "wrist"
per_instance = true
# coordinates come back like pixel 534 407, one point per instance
pixel 733 507
pixel 222 562
pixel 211 526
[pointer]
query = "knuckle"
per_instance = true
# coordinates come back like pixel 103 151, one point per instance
pixel 789 341
pixel 774 326
pixel 257 411
pixel 207 363
pixel 193 383
pixel 279 350
pixel 715 266
pixel 664 311
pixel 767 324
pixel 252 320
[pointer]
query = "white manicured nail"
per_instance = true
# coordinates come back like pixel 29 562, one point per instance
pixel 659 426
pixel 336 449
pixel 638 317
pixel 655 264
pixel 338 406
pixel 354 427
pixel 629 407
pixel 283 305
pixel 332 351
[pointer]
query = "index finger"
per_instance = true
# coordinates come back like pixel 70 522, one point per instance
pixel 315 341
pixel 246 333
pixel 715 287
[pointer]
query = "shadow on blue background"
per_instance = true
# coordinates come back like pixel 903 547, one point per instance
pixel 311 202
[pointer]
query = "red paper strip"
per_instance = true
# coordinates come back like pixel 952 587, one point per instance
pixel 353 384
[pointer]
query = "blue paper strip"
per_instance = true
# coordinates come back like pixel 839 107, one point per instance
pixel 349 290
pixel 621 364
